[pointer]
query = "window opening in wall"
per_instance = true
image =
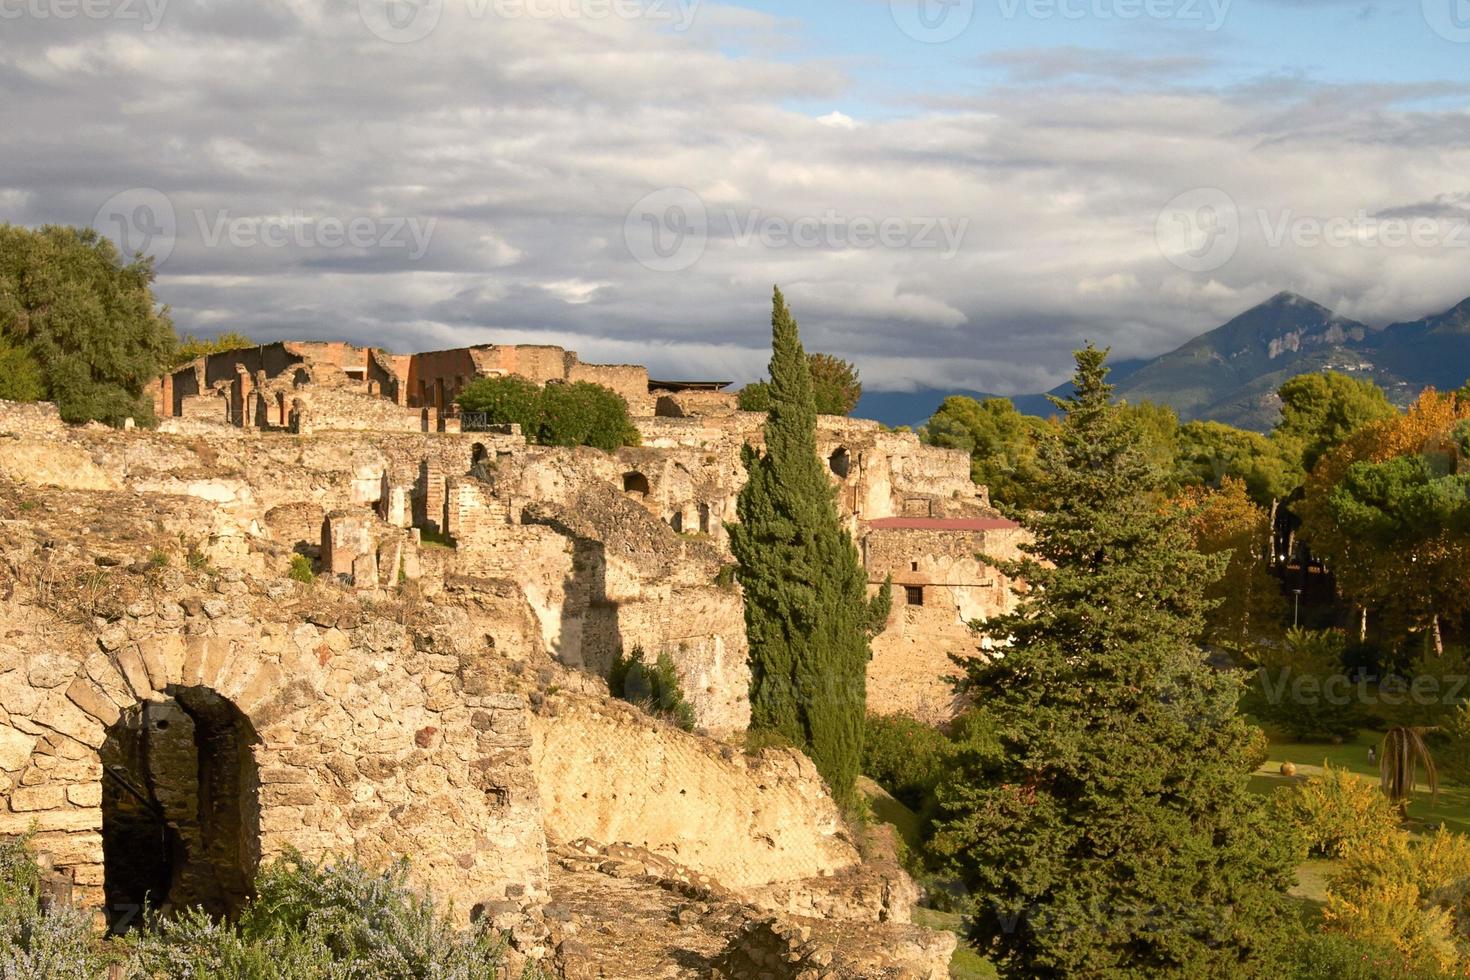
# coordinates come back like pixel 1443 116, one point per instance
pixel 914 594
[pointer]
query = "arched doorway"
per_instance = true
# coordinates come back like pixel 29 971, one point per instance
pixel 180 807
pixel 840 462
pixel 636 483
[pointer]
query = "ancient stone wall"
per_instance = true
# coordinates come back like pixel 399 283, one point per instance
pixel 29 418
pixel 606 773
pixel 365 737
pixel 940 586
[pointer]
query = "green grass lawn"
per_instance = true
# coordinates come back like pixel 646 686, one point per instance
pixel 1452 808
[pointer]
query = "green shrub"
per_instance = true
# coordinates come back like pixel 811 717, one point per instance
pixel 508 399
pixel 906 757
pixel 1455 759
pixel 301 570
pixel 1337 814
pixel 654 687
pixel 310 921
pixel 577 414
pixel 1300 687
pixel 1333 956
pixel 585 414
pixel 55 945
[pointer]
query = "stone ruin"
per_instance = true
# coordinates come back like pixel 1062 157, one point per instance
pixel 176 709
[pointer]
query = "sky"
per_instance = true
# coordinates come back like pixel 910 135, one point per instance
pixel 951 193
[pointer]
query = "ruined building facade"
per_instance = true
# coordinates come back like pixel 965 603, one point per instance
pixel 176 707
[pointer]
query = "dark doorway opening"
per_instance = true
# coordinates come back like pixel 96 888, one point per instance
pixel 840 462
pixel 636 483
pixel 180 808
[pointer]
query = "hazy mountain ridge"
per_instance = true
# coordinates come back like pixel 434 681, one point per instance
pixel 1231 373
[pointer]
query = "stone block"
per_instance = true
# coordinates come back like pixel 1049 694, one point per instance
pixel 130 664
pixel 89 697
pixel 85 794
pixel 15 749
pixel 57 821
pixel 25 799
pixel 153 661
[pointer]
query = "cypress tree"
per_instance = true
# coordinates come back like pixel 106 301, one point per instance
pixel 1114 835
pixel 807 611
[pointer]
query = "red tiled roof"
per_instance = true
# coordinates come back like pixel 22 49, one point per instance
pixel 943 524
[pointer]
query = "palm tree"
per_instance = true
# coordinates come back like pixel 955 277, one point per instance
pixel 1404 749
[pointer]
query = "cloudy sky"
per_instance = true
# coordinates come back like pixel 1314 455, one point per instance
pixel 953 193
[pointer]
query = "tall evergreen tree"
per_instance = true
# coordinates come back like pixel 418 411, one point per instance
pixel 1115 835
pixel 807 610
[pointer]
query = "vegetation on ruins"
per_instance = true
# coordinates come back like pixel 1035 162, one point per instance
pixel 835 387
pixel 653 687
pixel 1114 834
pixel 807 612
pixel 578 414
pixel 191 347
pixel 1001 443
pixel 308 921
pixel 75 313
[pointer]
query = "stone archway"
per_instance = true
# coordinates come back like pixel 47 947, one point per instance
pixel 180 806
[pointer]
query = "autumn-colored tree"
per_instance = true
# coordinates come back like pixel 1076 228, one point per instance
pixel 1388 510
pixel 1248 602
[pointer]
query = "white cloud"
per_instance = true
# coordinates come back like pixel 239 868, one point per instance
pixel 526 142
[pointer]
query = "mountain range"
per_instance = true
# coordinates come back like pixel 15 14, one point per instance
pixel 1231 373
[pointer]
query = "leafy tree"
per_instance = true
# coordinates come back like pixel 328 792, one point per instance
pixel 1115 835
pixel 1388 509
pixel 1001 443
pixel 807 612
pixel 87 320
pixel 1299 686
pixel 1247 599
pixel 1320 412
pixel 191 347
pixel 1211 452
pixel 835 387
pixel 21 379
pixel 577 414
pixel 1157 430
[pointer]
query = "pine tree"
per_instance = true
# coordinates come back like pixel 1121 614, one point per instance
pixel 1115 835
pixel 807 612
